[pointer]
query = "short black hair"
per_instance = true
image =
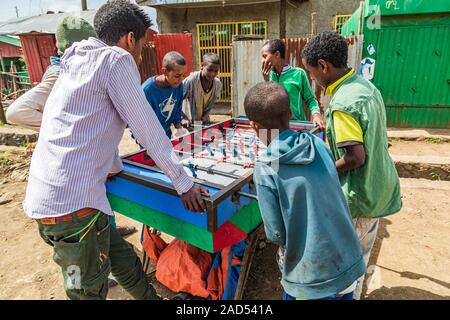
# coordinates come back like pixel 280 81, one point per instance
pixel 276 45
pixel 119 17
pixel 171 58
pixel 328 46
pixel 267 103
pixel 211 57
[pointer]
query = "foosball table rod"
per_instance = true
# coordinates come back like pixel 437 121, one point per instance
pixel 230 141
pixel 211 158
pixel 211 171
pixel 252 154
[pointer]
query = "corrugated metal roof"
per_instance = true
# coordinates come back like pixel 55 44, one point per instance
pixel 401 7
pixel 45 23
pixel 202 3
pixel 10 40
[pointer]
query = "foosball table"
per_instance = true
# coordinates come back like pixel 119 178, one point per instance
pixel 219 158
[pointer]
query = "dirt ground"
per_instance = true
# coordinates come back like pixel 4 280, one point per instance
pixel 410 260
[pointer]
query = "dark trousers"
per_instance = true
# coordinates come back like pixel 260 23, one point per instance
pixel 86 263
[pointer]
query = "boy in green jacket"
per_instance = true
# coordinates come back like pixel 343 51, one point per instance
pixel 357 135
pixel 294 80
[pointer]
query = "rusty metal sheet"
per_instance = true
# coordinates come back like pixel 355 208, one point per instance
pixel 180 42
pixel 37 49
pixel 7 50
pixel 148 66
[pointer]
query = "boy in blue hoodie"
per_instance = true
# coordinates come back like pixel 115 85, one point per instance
pixel 302 204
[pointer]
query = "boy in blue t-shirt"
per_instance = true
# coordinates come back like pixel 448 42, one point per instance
pixel 165 92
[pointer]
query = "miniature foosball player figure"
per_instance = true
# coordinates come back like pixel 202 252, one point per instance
pixel 209 149
pixel 191 167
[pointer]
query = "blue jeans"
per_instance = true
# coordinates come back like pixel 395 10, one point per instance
pixel 348 296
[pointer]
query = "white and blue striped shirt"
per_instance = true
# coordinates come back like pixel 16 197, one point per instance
pixel 96 95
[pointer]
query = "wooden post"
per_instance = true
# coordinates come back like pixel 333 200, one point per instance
pixel 282 19
pixel 1 86
pixel 317 89
pixel 1 61
pixel 83 5
pixel 313 23
pixel 13 78
pixel 359 39
pixel 361 8
pixel 2 76
pixel 247 259
pixel 2 114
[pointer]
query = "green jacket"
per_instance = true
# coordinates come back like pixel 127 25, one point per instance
pixel 296 83
pixel 372 190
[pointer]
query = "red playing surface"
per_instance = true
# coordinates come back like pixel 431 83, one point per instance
pixel 207 134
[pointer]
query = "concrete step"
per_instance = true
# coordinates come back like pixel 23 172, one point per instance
pixel 429 159
pixel 421 170
pixel 16 136
pixel 410 134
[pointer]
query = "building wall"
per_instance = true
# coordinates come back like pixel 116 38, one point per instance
pixel 181 20
pixel 327 9
pixel 298 17
pixel 175 20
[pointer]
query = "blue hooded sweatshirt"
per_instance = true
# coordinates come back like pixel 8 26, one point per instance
pixel 305 212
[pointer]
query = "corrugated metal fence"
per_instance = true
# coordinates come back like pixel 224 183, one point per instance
pixel 246 71
pixel 37 49
pixel 8 50
pixel 247 67
pixel 181 42
pixel 148 65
